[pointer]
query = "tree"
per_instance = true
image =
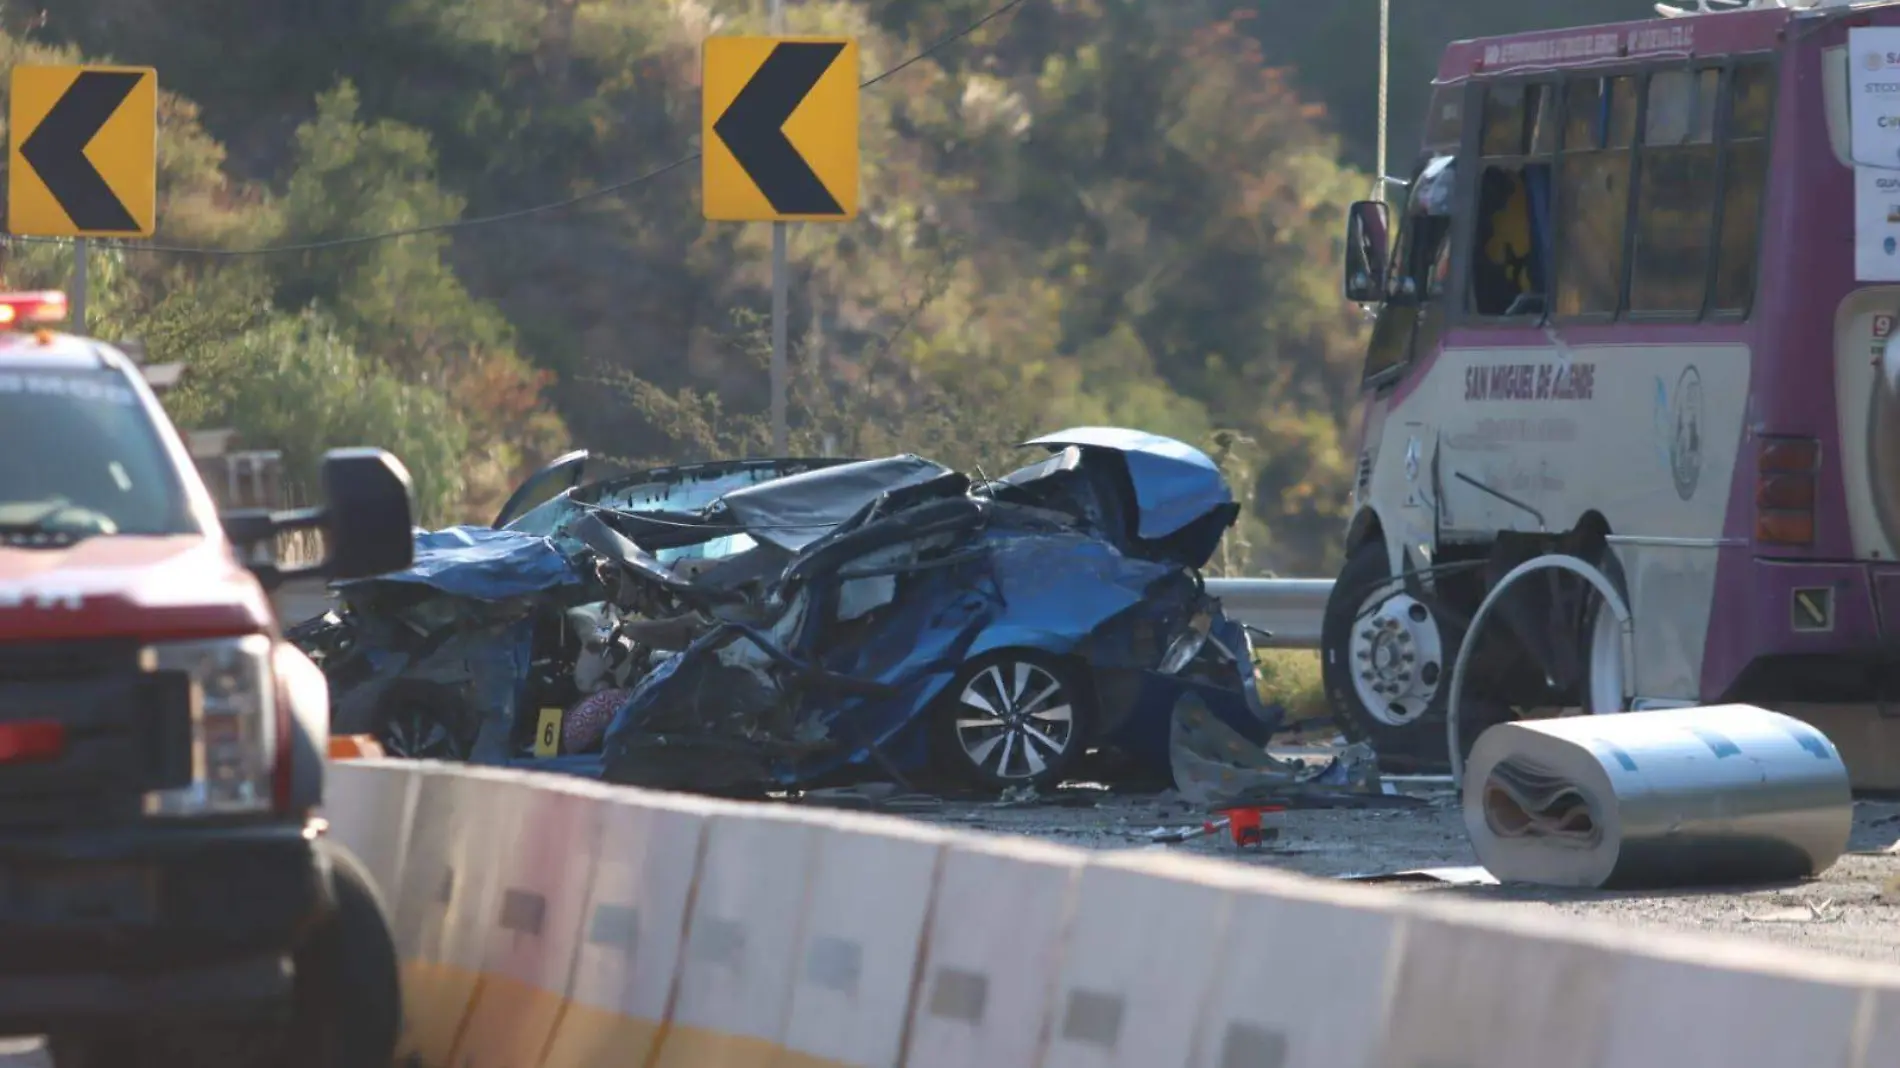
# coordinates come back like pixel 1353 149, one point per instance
pixel 1086 211
pixel 296 383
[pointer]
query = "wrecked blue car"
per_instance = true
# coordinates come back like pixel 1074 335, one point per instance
pixel 888 619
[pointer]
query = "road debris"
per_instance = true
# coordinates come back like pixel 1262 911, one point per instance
pixel 1247 826
pixel 1697 796
pixel 870 797
pixel 1802 912
pixel 1470 875
pixel 1213 764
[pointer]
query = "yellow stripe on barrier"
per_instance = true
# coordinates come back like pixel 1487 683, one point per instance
pixel 510 1024
pixel 586 1036
pixel 436 999
pixel 472 1021
pixel 694 1047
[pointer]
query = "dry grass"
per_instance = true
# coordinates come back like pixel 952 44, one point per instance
pixel 1291 677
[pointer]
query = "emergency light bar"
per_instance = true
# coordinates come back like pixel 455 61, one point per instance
pixel 47 306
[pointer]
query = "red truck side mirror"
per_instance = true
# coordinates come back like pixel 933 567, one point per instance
pixel 369 514
pixel 367 519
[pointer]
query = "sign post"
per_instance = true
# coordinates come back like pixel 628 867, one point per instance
pixel 779 125
pixel 83 158
pixel 78 302
pixel 780 374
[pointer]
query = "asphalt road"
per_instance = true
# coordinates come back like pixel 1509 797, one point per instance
pixel 1851 910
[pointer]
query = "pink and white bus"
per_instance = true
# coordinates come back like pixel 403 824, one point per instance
pixel 1625 438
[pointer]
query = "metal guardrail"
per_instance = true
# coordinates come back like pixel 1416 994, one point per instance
pixel 1291 609
pixel 298 601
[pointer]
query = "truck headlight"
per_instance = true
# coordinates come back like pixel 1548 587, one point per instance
pixel 233 726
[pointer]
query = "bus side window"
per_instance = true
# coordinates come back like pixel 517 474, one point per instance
pixel 1744 174
pixel 1593 173
pixel 1675 213
pixel 1511 253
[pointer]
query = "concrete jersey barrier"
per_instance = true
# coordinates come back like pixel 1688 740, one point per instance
pixel 547 921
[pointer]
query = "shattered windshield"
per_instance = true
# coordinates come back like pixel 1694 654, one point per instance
pixel 79 456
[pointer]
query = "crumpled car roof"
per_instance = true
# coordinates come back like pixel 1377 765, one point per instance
pixel 1175 483
pixel 794 511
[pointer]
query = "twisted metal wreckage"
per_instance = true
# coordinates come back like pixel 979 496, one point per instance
pixel 743 626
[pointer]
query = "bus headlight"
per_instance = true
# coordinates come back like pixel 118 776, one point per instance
pixel 233 726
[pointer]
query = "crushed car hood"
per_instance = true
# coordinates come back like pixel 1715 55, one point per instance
pixel 674 490
pixel 794 511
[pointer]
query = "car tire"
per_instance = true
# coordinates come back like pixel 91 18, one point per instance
pixel 423 721
pixel 1010 719
pixel 1386 662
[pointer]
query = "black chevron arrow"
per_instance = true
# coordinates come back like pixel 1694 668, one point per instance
pixel 753 127
pixel 57 150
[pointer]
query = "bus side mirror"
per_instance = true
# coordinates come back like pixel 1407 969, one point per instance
pixel 1366 250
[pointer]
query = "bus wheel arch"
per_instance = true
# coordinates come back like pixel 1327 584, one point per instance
pixel 1619 623
pixel 1366 526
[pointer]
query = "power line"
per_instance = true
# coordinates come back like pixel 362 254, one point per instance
pixel 498 217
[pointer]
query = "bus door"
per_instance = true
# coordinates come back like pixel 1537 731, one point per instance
pixel 1410 283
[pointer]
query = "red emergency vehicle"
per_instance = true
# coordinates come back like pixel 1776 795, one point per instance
pixel 166 893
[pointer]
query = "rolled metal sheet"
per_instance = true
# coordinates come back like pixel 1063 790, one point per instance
pixel 1691 796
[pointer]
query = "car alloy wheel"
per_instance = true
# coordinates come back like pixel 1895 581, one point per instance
pixel 420 721
pixel 415 734
pixel 1015 721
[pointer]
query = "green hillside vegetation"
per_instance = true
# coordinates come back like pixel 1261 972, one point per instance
pixel 1087 211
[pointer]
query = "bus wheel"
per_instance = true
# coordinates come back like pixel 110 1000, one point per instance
pixel 1386 665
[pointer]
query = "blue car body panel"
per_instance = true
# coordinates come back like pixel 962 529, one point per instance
pixel 1175 483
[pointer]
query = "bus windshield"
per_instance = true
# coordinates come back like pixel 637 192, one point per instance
pixel 79 457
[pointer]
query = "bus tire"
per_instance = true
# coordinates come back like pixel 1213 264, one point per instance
pixel 1386 664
